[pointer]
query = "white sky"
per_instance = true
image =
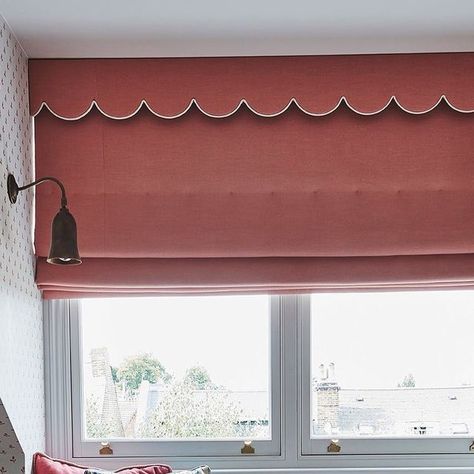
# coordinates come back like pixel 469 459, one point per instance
pixel 227 335
pixel 375 339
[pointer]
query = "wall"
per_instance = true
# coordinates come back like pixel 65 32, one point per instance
pixel 21 325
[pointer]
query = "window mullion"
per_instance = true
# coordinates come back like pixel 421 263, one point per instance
pixel 289 345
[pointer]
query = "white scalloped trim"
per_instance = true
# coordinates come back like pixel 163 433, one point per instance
pixel 242 102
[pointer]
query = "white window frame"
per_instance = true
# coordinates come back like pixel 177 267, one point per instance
pixel 361 445
pixel 172 448
pixel 297 453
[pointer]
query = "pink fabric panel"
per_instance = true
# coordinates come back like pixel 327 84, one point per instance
pixel 43 464
pixel 247 186
pixel 112 277
pixel 218 84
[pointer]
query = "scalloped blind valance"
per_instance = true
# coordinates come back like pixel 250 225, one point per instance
pixel 258 174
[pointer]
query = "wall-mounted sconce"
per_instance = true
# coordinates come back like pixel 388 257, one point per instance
pixel 63 249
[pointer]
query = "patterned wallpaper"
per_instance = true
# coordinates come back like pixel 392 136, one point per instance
pixel 12 459
pixel 21 325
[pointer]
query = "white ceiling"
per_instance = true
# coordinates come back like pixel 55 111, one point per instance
pixel 154 28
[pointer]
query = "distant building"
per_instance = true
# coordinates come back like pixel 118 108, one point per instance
pixel 399 411
pixel 336 410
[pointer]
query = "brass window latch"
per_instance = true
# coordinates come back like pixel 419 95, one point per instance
pixel 334 447
pixel 247 448
pixel 106 450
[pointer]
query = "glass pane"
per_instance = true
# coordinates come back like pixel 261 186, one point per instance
pixel 393 364
pixel 176 368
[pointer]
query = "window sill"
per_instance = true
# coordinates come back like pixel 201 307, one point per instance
pixel 400 464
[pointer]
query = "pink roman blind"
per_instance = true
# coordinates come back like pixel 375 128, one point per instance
pixel 258 174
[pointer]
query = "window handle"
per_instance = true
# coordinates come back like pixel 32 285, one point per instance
pixel 334 447
pixel 247 448
pixel 105 450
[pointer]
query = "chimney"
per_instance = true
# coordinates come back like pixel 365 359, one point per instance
pixel 100 362
pixel 326 399
pixel 110 410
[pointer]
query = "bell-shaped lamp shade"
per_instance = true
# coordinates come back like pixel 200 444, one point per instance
pixel 64 249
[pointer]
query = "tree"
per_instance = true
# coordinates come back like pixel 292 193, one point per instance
pixel 185 412
pixel 408 381
pixel 198 377
pixel 96 427
pixel 141 367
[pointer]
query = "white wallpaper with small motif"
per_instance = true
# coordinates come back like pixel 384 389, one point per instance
pixel 21 323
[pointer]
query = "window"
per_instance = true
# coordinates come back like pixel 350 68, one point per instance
pixel 390 366
pixel 302 377
pixel 167 373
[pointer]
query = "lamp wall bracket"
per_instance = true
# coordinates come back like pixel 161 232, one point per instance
pixel 12 188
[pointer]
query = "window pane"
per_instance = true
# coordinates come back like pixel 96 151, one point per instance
pixel 393 364
pixel 176 368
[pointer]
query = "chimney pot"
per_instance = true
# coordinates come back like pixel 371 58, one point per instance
pixel 323 375
pixel 332 372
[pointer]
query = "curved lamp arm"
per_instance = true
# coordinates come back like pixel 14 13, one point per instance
pixel 13 188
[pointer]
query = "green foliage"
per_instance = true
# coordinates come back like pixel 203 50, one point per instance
pixel 95 426
pixel 186 412
pixel 142 367
pixel 198 377
pixel 407 382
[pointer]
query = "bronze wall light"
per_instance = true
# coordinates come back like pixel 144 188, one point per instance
pixel 63 249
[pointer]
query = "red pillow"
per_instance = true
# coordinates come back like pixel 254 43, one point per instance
pixel 43 464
